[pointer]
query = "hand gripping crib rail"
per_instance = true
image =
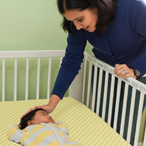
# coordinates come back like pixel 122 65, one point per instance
pixel 92 93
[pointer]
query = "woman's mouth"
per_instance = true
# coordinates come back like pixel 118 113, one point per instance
pixel 87 28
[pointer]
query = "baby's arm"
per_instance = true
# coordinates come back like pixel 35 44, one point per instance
pixel 62 126
pixel 14 133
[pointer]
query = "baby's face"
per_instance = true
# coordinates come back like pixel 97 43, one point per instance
pixel 42 117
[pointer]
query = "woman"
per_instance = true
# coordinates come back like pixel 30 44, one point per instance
pixel 115 29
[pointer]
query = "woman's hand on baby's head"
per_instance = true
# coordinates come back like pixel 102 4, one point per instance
pixel 48 108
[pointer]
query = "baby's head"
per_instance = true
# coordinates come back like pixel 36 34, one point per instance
pixel 34 117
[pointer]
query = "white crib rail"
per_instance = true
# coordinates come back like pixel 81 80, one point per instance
pixel 134 83
pixel 28 54
pixel 89 98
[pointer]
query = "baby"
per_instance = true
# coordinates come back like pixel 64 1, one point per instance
pixel 37 128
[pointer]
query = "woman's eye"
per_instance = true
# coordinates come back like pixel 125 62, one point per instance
pixel 80 19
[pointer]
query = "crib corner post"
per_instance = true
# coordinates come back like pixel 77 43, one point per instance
pixel 75 90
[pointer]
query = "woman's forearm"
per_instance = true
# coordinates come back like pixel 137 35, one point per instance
pixel 54 100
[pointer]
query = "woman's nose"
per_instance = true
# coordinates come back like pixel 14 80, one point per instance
pixel 78 26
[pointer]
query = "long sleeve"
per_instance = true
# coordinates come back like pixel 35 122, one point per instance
pixel 139 25
pixel 14 133
pixel 70 64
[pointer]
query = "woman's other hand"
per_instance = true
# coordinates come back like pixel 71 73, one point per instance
pixel 47 107
pixel 123 71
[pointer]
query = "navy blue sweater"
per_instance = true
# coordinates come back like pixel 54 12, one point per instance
pixel 123 42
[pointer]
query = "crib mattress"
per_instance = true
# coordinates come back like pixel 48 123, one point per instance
pixel 84 125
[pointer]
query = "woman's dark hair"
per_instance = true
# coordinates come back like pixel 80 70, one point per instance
pixel 26 118
pixel 106 10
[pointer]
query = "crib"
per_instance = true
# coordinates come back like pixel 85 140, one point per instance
pixel 86 108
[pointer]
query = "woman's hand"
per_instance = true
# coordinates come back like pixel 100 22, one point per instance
pixel 123 71
pixel 47 107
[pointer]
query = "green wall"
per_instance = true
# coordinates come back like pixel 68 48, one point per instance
pixel 30 25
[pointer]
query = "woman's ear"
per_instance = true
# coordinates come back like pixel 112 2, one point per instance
pixel 29 122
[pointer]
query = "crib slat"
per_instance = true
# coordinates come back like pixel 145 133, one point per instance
pixel 124 109
pixel 131 114
pixel 61 60
pixel 94 88
pixel 99 91
pixel 139 118
pixel 15 80
pixel 89 84
pixel 49 77
pixel 105 96
pixel 84 80
pixel 117 105
pixel 27 77
pixel 144 142
pixel 38 78
pixel 3 80
pixel 111 100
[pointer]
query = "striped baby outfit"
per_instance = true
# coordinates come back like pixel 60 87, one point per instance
pixel 42 135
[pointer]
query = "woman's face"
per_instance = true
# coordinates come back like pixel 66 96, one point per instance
pixel 86 19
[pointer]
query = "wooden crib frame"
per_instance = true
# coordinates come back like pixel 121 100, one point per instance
pixel 83 90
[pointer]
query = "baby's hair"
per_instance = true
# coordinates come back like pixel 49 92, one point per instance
pixel 27 117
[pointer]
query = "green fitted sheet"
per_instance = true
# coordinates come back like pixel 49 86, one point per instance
pixel 84 125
